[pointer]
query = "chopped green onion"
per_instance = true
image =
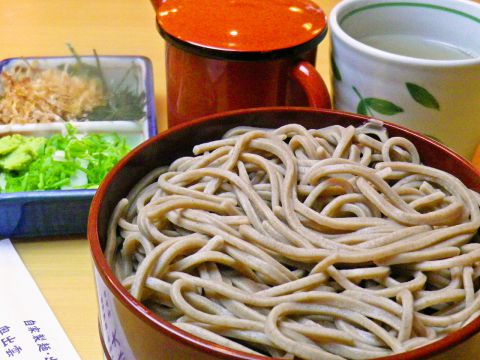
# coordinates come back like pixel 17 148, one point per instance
pixel 63 160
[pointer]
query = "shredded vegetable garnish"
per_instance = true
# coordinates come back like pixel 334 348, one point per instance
pixel 30 93
pixel 35 95
pixel 70 161
pixel 122 102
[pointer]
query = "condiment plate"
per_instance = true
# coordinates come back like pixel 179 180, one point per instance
pixel 65 212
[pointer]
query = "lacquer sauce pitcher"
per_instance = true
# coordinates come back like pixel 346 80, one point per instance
pixel 233 54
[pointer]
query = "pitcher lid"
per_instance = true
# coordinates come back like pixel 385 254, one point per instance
pixel 242 29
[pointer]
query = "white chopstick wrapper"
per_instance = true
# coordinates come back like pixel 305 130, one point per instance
pixel 28 328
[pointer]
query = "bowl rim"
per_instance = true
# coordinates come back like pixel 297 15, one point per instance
pixel 167 328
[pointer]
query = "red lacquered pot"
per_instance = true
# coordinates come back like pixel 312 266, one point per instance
pixel 227 55
pixel 131 331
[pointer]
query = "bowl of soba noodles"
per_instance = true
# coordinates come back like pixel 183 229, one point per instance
pixel 288 233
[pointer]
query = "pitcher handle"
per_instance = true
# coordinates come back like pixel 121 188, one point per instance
pixel 313 85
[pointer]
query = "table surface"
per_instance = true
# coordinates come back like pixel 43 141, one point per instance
pixel 62 267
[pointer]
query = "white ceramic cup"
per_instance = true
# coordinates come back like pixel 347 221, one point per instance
pixel 440 98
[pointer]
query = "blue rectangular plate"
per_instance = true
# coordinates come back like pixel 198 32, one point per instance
pixel 65 212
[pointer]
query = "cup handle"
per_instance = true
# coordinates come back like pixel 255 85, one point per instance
pixel 313 85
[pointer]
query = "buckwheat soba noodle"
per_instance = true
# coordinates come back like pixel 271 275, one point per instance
pixel 333 243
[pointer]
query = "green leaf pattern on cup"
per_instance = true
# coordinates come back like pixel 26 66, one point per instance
pixel 422 96
pixel 362 108
pixel 336 73
pixel 366 106
pixel 382 106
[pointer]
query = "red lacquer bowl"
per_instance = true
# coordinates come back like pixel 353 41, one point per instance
pixel 131 331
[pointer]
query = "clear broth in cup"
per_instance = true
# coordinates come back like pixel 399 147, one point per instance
pixel 417 47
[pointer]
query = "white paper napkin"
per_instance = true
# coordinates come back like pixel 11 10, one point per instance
pixel 28 328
